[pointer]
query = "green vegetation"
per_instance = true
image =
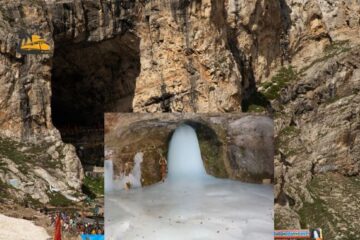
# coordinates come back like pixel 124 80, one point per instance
pixel 31 202
pixel 289 131
pixel 316 212
pixel 280 80
pixel 3 190
pixel 9 149
pixel 27 154
pixel 285 135
pixel 330 51
pixel 26 157
pixel 58 200
pixel 93 187
pixel 338 47
pixel 330 209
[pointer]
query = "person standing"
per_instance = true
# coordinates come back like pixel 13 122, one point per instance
pixel 57 235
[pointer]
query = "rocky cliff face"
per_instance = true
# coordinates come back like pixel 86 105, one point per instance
pixel 41 159
pixel 296 59
pixel 235 146
pixel 316 118
pixel 182 67
pixel 318 161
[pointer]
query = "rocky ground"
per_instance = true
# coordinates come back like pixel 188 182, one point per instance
pixel 37 174
pixel 33 175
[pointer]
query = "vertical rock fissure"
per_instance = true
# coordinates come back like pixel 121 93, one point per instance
pixel 86 20
pixel 247 83
pixel 164 97
pixel 244 65
pixel 284 35
pixel 181 8
pixel 25 109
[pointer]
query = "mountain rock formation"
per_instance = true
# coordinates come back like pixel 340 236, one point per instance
pixel 296 59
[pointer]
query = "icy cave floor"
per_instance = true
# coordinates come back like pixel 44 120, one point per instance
pixel 211 209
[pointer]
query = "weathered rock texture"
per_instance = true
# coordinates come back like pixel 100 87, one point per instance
pixel 235 146
pixel 199 56
pixel 203 56
pixel 182 68
pixel 25 113
pixel 317 166
pixel 31 174
pixel 316 105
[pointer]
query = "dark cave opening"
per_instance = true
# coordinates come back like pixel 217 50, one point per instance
pixel 89 79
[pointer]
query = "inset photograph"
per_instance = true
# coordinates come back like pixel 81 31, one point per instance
pixel 188 176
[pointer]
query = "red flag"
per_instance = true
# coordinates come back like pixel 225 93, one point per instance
pixel 57 235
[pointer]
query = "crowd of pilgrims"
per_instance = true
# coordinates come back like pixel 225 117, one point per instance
pixel 75 224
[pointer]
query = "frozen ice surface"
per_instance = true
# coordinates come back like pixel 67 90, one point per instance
pixel 215 209
pixel 190 205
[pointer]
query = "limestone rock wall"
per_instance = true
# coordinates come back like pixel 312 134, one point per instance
pixel 314 24
pixel 25 81
pixel 316 120
pixel 183 69
pixel 318 134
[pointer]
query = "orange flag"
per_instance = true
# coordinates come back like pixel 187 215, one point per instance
pixel 57 235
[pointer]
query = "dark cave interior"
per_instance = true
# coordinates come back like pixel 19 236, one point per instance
pixel 89 79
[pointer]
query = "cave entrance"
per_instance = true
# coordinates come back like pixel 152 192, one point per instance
pixel 88 79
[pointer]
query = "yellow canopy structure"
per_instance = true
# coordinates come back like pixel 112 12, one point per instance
pixel 34 44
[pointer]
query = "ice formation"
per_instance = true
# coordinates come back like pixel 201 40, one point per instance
pixel 190 204
pixel 133 179
pixel 109 175
pixel 184 156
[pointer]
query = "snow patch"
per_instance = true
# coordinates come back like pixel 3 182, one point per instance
pixel 20 229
